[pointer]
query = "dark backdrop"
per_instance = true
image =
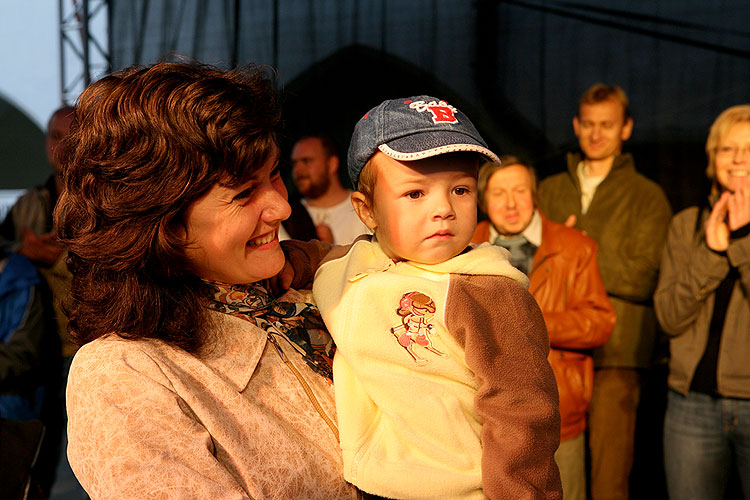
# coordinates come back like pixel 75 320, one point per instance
pixel 517 67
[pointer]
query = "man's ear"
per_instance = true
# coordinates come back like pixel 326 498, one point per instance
pixel 627 129
pixel 333 165
pixel 364 210
pixel 576 126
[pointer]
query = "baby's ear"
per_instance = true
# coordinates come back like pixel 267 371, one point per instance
pixel 364 210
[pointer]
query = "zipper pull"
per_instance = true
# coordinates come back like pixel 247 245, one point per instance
pixel 272 340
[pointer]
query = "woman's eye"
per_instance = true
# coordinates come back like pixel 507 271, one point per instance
pixel 242 195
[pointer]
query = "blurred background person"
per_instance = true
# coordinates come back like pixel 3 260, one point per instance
pixel 627 214
pixel 564 279
pixel 299 225
pixel 315 170
pixel 29 369
pixel 29 222
pixel 30 227
pixel 702 303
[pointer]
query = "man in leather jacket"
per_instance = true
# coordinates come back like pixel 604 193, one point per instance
pixel 564 279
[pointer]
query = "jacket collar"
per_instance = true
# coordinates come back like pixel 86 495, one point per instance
pixel 367 257
pixel 532 233
pixel 236 349
pixel 622 163
pixel 550 243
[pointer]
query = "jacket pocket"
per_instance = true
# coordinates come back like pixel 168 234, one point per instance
pixel 574 373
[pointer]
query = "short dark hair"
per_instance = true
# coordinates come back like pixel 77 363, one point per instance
pixel 63 110
pixel 600 92
pixel 329 145
pixel 146 143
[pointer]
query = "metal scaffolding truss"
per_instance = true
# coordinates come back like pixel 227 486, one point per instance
pixel 84 45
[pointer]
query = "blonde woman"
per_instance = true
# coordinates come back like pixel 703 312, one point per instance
pixel 702 303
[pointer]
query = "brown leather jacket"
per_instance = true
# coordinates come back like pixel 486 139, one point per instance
pixel 566 283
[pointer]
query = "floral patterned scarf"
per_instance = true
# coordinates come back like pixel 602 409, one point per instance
pixel 288 317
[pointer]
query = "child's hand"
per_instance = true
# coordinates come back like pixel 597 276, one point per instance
pixel 282 281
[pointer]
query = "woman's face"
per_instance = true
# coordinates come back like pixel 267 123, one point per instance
pixel 232 233
pixel 732 159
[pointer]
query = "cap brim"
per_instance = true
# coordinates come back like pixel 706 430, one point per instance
pixel 425 145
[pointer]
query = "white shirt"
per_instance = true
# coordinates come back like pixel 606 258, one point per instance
pixel 342 219
pixel 533 231
pixel 588 186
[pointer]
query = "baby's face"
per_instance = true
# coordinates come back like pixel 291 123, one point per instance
pixel 426 210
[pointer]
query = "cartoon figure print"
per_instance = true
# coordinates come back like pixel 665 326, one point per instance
pixel 416 310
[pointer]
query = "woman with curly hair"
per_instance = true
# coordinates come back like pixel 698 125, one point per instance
pixel 193 379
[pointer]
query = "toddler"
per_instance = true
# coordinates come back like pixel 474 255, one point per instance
pixel 443 389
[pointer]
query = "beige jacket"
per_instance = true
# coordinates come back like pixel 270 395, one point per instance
pixel 147 421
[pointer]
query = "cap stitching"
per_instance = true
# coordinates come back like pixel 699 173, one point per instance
pixel 427 153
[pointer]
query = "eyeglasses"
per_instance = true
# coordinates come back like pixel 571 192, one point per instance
pixel 731 151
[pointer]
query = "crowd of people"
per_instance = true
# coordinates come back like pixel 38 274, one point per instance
pixel 450 327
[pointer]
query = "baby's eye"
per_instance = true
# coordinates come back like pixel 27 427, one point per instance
pixel 414 195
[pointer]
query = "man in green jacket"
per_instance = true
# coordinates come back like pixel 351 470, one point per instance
pixel 627 215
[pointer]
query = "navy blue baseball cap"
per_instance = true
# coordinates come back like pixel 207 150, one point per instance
pixel 411 129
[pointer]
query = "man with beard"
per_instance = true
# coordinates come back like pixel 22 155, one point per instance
pixel 315 166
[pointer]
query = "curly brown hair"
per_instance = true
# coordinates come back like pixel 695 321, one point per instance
pixel 146 143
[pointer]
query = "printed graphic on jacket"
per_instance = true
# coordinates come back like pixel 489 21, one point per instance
pixel 416 310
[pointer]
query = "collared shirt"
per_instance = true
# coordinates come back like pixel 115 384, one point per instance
pixel 533 231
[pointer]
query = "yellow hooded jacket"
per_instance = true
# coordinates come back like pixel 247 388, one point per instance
pixel 443 389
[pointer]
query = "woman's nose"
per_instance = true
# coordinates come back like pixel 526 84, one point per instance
pixel 742 155
pixel 277 207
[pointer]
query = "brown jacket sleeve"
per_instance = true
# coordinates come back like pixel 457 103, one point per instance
pixel 690 274
pixel 305 257
pixel 506 345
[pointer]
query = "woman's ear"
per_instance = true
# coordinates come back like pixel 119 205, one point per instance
pixel 178 228
pixel 364 210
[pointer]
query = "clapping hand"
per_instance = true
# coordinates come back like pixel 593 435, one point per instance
pixel 730 213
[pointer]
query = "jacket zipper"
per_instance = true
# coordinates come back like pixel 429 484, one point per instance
pixel 306 387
